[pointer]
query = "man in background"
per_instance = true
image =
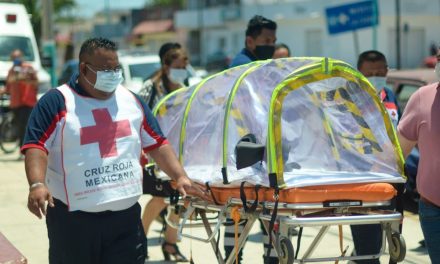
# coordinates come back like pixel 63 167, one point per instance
pixel 259 43
pixel 22 86
pixel 372 64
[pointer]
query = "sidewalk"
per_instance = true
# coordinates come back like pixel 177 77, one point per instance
pixel 28 233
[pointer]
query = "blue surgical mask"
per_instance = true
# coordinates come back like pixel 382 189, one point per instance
pixel 178 75
pixel 378 82
pixel 107 81
pixel 17 62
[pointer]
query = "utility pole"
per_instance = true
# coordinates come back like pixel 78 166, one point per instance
pixel 398 63
pixel 48 40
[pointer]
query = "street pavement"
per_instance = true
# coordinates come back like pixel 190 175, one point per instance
pixel 28 233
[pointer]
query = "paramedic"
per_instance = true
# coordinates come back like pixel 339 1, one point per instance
pixel 372 64
pixel 420 124
pixel 259 45
pixel 82 147
pixel 171 76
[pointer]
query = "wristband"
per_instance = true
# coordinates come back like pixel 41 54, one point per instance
pixel 35 185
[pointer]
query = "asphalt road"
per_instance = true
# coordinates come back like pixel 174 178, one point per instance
pixel 28 233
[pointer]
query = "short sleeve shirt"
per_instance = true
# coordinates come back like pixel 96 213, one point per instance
pixel 421 122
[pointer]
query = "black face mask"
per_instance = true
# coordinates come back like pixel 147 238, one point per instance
pixel 264 52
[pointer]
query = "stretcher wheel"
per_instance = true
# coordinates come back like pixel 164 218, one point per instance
pixel 397 247
pixel 287 253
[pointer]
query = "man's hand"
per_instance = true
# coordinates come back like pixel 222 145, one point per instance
pixel 185 186
pixel 37 200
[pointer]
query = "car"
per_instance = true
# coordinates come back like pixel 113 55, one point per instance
pixel 137 66
pixel 404 83
pixel 17 33
pixel 217 61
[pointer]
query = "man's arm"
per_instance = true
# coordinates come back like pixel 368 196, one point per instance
pixel 166 159
pixel 35 166
pixel 405 144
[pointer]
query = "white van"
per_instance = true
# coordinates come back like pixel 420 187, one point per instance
pixel 16 33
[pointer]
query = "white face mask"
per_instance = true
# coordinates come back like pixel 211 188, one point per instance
pixel 178 75
pixel 437 70
pixel 378 82
pixel 107 81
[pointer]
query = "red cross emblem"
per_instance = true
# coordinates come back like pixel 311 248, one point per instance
pixel 105 132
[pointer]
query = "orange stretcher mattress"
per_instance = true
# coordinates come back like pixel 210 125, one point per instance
pixel 365 192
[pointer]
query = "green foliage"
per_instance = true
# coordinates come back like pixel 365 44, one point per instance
pixel 159 3
pixel 34 7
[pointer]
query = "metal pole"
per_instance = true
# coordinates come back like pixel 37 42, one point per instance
pixel 356 42
pixel 375 18
pixel 107 12
pixel 398 63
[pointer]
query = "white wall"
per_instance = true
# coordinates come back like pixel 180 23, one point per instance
pixel 300 21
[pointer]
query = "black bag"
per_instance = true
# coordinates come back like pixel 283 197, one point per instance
pixel 154 186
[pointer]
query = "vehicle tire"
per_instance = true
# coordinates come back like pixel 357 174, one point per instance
pixel 398 247
pixel 287 253
pixel 8 136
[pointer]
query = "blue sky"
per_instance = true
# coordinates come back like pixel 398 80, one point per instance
pixel 89 7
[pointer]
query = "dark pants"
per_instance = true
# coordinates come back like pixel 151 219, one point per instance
pixel 367 240
pixel 93 238
pixel 21 116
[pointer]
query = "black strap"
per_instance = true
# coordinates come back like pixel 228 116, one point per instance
pixel 273 180
pixel 254 205
pixel 225 176
pixel 212 194
pixel 298 242
pixel 271 225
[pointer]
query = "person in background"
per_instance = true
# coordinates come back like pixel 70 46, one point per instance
pixel 372 64
pixel 22 86
pixel 281 51
pixel 171 76
pixel 83 144
pixel 259 43
pixel 420 124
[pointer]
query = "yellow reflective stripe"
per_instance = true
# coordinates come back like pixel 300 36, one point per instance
pixel 160 107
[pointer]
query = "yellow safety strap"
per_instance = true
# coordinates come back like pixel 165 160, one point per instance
pixel 341 243
pixel 235 215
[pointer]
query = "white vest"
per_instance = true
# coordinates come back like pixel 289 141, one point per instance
pixel 100 151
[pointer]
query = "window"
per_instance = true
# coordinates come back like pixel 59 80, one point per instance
pixel 11 43
pixel 406 90
pixel 143 70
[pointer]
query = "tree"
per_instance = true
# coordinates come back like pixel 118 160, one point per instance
pixel 34 8
pixel 159 3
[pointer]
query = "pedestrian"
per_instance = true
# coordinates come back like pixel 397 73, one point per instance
pixel 259 45
pixel 281 51
pixel 420 124
pixel 22 86
pixel 82 149
pixel 171 76
pixel 372 64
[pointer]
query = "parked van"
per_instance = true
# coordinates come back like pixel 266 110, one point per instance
pixel 16 33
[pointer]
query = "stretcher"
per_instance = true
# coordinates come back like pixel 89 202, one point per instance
pixel 296 142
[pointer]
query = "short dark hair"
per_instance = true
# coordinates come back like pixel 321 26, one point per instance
pixel 371 56
pixel 282 45
pixel 92 44
pixel 167 47
pixel 256 25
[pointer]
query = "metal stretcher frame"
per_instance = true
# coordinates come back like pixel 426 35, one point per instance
pixel 318 215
